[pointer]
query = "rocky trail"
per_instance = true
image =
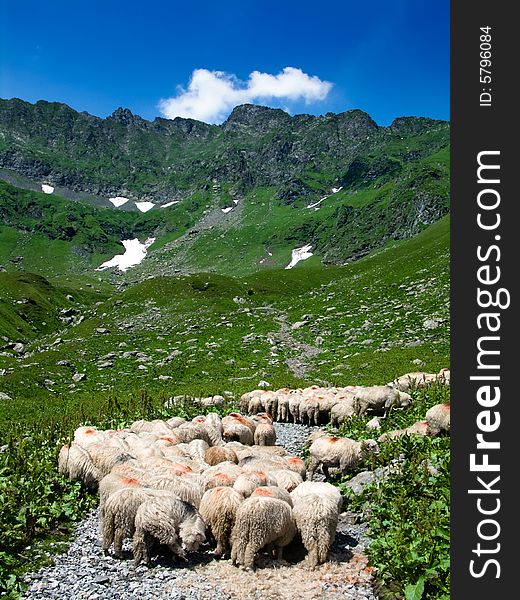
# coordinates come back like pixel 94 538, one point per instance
pixel 84 573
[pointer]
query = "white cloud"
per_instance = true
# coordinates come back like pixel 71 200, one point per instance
pixel 211 95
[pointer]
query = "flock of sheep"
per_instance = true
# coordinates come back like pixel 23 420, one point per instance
pixel 315 405
pixel 169 482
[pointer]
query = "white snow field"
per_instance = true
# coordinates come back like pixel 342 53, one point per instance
pixel 47 189
pixel 299 254
pixel 118 201
pixel 135 251
pixel 144 206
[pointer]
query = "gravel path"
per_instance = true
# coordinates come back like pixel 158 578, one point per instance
pixel 84 573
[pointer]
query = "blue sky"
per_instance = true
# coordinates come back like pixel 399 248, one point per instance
pixel 389 58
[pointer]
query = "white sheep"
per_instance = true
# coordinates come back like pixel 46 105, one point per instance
pixel 119 515
pixel 261 521
pixel 169 521
pixel 320 488
pixel 286 479
pixel 75 462
pixel 217 454
pixel 272 491
pixel 316 518
pixel 417 379
pixel 265 435
pixel 341 411
pixel 380 398
pixel 343 453
pixel 218 508
pixel 438 418
pixel 419 428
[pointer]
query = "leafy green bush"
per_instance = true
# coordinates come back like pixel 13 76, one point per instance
pixel 409 511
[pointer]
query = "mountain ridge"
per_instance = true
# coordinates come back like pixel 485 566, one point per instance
pixel 263 179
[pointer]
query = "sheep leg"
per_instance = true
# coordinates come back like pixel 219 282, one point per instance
pixel 249 556
pixel 313 464
pixel 118 542
pixel 312 556
pixel 107 533
pixel 219 550
pixel 279 552
pixel 325 470
pixel 141 549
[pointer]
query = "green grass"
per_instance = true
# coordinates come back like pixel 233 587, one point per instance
pixel 409 511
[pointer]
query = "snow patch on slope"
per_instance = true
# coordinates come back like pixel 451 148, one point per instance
pixel 118 201
pixel 144 206
pixel 299 254
pixel 170 204
pixel 47 189
pixel 135 252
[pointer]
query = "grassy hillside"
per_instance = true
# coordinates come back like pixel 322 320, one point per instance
pixel 208 333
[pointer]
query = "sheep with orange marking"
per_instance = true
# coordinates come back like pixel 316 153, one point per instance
pixel 272 491
pixel 344 454
pixel 218 508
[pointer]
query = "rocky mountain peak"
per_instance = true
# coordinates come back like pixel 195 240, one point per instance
pixel 253 116
pixel 124 116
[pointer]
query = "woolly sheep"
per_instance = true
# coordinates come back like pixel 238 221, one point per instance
pixel 265 435
pixel 438 418
pixel 218 454
pixel 182 487
pixel 214 420
pixel 380 398
pixel 175 422
pixel 234 418
pixel 320 488
pixel 246 483
pixel 169 521
pixel 268 450
pixel 223 474
pixel 218 508
pixel 119 514
pixel 75 462
pixel 374 423
pixel 272 491
pixel 286 479
pixel 316 519
pixel 341 411
pixel 188 432
pixel 418 428
pixel 294 407
pixel 238 432
pixel 309 411
pixel 197 450
pixel 343 453
pixel 261 521
pixel 114 482
pixel 413 380
pixel 255 405
pixel 282 411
